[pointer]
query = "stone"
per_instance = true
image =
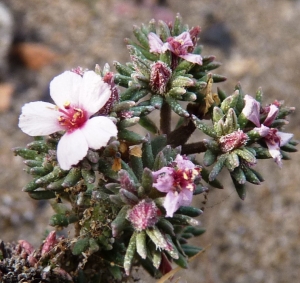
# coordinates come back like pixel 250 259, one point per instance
pixel 6 36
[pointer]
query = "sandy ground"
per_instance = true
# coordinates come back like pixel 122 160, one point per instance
pixel 256 240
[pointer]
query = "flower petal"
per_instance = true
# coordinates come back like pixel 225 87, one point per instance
pixel 98 130
pixel 262 130
pixel 66 88
pixel 163 179
pixel 284 137
pixel 194 58
pixel 184 163
pixel 186 196
pixel 39 119
pixel 94 93
pixel 271 115
pixel 251 110
pixel 155 43
pixel 172 203
pixel 71 148
pixel 274 151
pixel 185 38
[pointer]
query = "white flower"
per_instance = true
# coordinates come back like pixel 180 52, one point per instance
pixel 77 98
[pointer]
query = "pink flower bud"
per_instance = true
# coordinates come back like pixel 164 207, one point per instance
pixel 233 140
pixel 79 71
pixel 32 260
pixel 143 215
pixel 26 247
pixel 49 243
pixel 159 77
pixel 114 97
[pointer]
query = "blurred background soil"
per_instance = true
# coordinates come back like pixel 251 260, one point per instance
pixel 258 42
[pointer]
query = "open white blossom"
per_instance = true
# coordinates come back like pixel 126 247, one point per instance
pixel 77 98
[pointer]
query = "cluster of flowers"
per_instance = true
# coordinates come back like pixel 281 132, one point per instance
pixel 139 208
pixel 242 132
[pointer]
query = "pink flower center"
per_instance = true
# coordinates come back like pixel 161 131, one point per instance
pixel 272 137
pixel 72 118
pixel 184 179
pixel 178 46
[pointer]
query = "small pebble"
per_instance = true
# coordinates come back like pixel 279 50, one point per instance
pixel 6 35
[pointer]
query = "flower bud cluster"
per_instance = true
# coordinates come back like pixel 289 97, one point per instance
pixel 242 132
pixel 167 64
pixel 19 262
pixel 145 212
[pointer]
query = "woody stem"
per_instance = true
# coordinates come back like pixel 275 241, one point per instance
pixel 192 148
pixel 165 118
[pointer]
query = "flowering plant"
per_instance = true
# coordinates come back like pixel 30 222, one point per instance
pixel 129 194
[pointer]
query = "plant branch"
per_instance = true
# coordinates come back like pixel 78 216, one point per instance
pixel 181 135
pixel 192 148
pixel 165 118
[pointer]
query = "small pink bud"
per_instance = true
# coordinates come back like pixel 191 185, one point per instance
pixel 125 181
pixel 49 243
pixel 159 77
pixel 78 70
pixel 143 215
pixel 194 32
pixel 32 260
pixel 233 140
pixel 114 97
pixel 25 247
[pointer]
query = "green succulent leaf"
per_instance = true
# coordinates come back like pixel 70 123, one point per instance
pixel 80 246
pixel 218 167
